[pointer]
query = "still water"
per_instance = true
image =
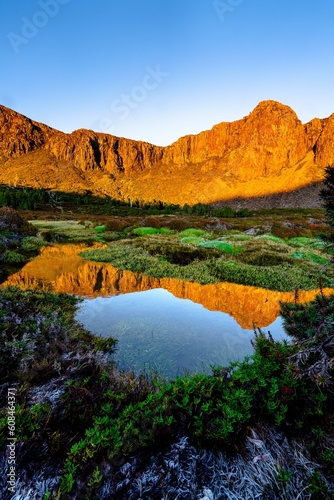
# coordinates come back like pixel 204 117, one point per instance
pixel 164 324
pixel 158 331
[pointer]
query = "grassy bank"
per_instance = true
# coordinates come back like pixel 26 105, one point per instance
pixel 79 421
pixel 210 256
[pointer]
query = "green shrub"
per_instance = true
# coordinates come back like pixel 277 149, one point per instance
pixel 32 243
pixel 227 212
pixel 12 257
pixel 100 229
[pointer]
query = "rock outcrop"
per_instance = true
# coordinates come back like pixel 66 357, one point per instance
pixel 268 152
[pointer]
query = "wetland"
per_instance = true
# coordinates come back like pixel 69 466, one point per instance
pixel 95 420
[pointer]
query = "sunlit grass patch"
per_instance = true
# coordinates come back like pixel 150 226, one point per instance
pixel 313 257
pixel 301 241
pixel 271 237
pixel 191 232
pixel 146 231
pixel 222 246
pixel 238 237
pixel 74 230
pixel 192 240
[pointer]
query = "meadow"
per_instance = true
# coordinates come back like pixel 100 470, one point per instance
pixel 262 260
pixel 263 425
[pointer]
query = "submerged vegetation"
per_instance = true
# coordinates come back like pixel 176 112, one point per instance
pixel 80 422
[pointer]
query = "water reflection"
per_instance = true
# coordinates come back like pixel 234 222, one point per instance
pixel 59 268
pixel 158 331
pixel 162 324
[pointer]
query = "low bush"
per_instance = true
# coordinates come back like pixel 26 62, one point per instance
pixel 13 257
pixel 32 243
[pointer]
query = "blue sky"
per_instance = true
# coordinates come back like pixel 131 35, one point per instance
pixel 155 70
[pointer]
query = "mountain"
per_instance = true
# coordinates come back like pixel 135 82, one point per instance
pixel 267 155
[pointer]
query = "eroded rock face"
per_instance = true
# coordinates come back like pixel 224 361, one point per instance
pixel 269 151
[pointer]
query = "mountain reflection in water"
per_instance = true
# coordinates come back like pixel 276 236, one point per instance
pixel 165 324
pixel 158 331
pixel 59 268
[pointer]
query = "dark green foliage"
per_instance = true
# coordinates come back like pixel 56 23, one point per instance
pixel 318 488
pixel 313 326
pixel 327 196
pixel 206 209
pixel 22 198
pixel 213 410
pixel 107 415
pixel 34 327
pixel 12 257
pixel 14 241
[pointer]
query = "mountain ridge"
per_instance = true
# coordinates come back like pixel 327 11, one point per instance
pixel 265 153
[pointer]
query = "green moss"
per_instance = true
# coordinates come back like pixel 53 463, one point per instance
pixel 310 256
pixel 237 237
pixel 145 231
pixel 191 232
pixel 192 240
pixel 222 246
pixel 271 237
pixel 300 241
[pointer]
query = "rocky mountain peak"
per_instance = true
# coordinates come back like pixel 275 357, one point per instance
pixel 269 151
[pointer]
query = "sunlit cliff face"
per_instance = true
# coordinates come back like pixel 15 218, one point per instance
pixel 59 268
pixel 268 152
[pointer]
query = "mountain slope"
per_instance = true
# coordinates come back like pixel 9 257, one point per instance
pixel 266 153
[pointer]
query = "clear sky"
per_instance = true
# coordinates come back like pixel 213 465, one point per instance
pixel 155 70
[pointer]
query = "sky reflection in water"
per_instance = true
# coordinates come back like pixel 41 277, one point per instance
pixel 170 335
